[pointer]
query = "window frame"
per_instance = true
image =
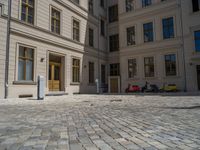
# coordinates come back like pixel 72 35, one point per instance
pixel 79 71
pixel 176 72
pixel 174 27
pixel 195 49
pixel 34 15
pixel 154 73
pixel 91 72
pixel 34 64
pixel 136 68
pixel 153 31
pixel 50 16
pixel 77 20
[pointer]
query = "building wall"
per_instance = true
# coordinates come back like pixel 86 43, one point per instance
pixel 191 23
pixel 3 25
pixel 44 42
pixel 157 49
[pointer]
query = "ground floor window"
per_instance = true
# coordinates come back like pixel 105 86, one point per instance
pixel 25 64
pixel 91 72
pixel 75 70
pixel 149 66
pixel 103 74
pixel 132 68
pixel 170 65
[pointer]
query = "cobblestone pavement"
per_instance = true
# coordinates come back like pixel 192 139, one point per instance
pixel 106 122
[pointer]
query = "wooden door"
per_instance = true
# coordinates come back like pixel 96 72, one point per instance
pixel 54 76
pixel 114 85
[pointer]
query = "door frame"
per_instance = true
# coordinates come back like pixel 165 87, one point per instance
pixel 53 64
pixel 63 70
pixel 109 84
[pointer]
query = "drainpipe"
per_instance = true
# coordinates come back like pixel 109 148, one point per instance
pixel 7 50
pixel 98 71
pixel 183 46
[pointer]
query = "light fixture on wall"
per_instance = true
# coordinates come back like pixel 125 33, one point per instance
pixel 42 60
pixel 191 63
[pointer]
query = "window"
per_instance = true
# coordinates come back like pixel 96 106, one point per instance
pixel 113 13
pixel 132 68
pixel 103 74
pixel 102 28
pixel 149 66
pixel 27 11
pixel 114 43
pixel 170 65
pixel 90 4
pixel 76 30
pixel 55 21
pixel 25 64
pixel 114 70
pixel 148 32
pixel 75 70
pixel 168 28
pixel 102 3
pixel 146 3
pixel 197 40
pixel 76 1
pixel 91 37
pixel 91 72
pixel 130 36
pixel 129 5
pixel 196 5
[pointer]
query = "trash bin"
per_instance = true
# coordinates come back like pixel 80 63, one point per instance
pixel 40 88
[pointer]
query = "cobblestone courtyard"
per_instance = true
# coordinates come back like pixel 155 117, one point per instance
pixel 92 122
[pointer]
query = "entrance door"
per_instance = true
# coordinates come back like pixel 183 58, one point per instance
pixel 198 76
pixel 54 76
pixel 114 85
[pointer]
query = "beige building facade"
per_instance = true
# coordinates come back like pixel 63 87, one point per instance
pixel 72 43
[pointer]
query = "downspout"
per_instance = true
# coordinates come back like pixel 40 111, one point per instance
pixel 183 46
pixel 98 55
pixel 7 50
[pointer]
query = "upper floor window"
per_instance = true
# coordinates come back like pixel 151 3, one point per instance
pixel 130 35
pixel 55 20
pixel 168 28
pixel 170 65
pixel 148 32
pixel 146 3
pixel 25 64
pixel 129 5
pixel 76 30
pixel 102 27
pixel 149 66
pixel 132 68
pixel 113 13
pixel 196 5
pixel 91 37
pixel 76 1
pixel 102 4
pixel 27 11
pixel 90 5
pixel 114 43
pixel 197 40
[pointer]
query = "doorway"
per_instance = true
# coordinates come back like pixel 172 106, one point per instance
pixel 55 73
pixel 114 84
pixel 198 76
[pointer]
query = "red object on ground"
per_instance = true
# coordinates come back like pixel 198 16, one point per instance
pixel 134 88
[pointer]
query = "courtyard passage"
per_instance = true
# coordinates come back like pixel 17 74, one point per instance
pixel 101 122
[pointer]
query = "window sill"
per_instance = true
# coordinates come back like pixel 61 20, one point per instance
pixel 75 83
pixel 25 83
